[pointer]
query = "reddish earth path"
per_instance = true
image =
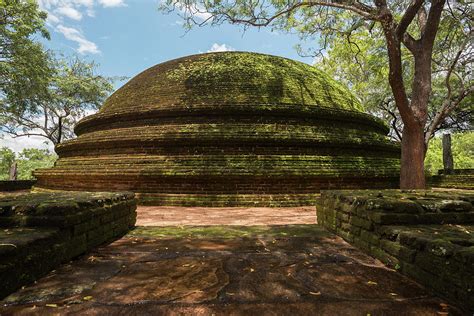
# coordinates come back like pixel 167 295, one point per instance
pixel 226 270
pixel 242 216
pixel 225 261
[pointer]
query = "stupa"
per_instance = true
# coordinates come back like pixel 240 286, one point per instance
pixel 223 129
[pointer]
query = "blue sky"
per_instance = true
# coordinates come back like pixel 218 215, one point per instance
pixel 126 37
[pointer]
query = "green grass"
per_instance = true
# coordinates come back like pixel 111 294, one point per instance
pixel 227 231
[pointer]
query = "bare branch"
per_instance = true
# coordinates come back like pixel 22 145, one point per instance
pixel 363 10
pixel 394 122
pixel 447 107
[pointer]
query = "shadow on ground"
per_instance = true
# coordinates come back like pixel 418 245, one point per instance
pixel 226 270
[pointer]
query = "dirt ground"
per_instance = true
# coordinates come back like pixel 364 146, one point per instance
pixel 176 215
pixel 227 263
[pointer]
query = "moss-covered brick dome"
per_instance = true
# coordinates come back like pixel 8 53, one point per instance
pixel 227 128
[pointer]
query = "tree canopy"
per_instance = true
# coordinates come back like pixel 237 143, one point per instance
pixel 73 90
pixel 41 94
pixel 24 64
pixel 360 61
pixel 27 161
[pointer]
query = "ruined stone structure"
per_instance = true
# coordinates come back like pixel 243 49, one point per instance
pixel 227 129
pixel 426 235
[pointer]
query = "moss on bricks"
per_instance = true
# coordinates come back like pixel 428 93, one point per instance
pixel 425 234
pixel 48 228
pixel 227 129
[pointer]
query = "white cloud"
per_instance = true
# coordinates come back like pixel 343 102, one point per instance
pixel 87 3
pixel 202 15
pixel 112 3
pixel 53 19
pixel 69 12
pixel 51 5
pixel 20 143
pixel 72 34
pixel 59 10
pixel 220 48
pixel 195 10
pixel 177 22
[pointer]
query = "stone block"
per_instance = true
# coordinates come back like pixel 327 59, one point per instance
pixel 393 219
pixel 370 237
pixel 395 249
pixel 427 235
pixel 360 222
pixel 53 234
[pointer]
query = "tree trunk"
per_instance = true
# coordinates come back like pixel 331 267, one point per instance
pixel 13 171
pixel 448 163
pixel 412 169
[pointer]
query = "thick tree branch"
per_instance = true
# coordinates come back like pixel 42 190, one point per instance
pixel 432 23
pixel 395 64
pixel 410 43
pixel 422 19
pixel 408 16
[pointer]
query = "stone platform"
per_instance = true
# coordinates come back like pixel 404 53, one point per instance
pixel 458 178
pixel 427 235
pixel 39 231
pixel 226 270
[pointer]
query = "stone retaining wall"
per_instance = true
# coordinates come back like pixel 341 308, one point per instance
pixel 39 231
pixel 16 185
pixel 427 235
pixel 459 179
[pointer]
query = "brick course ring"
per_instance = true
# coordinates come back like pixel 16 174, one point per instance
pixel 227 128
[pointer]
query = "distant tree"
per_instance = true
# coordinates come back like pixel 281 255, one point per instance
pixel 73 89
pixel 408 29
pixel 462 148
pixel 30 159
pixel 24 64
pixel 27 161
pixel 7 158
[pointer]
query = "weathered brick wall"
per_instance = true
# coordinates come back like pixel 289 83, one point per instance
pixel 458 179
pixel 251 127
pixel 15 185
pixel 38 231
pixel 427 235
